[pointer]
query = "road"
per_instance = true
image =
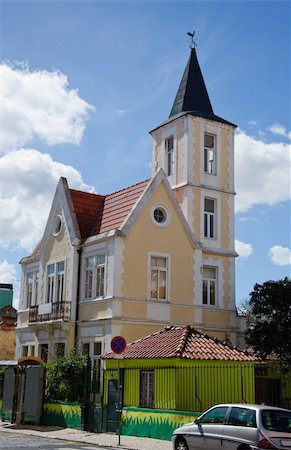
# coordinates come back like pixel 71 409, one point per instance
pixel 17 441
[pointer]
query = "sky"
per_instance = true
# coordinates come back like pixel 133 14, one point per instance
pixel 83 83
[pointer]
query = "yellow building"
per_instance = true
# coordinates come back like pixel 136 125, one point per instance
pixel 157 253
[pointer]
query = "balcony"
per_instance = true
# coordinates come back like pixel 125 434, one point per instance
pixel 49 312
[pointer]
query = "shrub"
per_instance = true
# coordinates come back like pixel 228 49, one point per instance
pixel 64 377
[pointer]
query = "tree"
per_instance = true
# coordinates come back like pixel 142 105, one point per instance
pixel 64 377
pixel 269 324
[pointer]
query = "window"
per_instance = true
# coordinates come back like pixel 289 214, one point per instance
pixel 55 282
pixel 243 417
pixel 170 156
pixel 86 348
pixel 97 349
pixel 209 154
pixel 89 277
pixel 215 415
pixel 60 281
pixel 158 278
pixel 209 285
pixel 160 215
pixel 31 288
pixel 57 225
pixel 95 276
pixel 147 389
pixel 44 352
pixel 50 282
pixel 24 350
pixel 209 218
pixel 100 271
pixel 59 349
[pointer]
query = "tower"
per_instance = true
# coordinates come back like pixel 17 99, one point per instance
pixel 195 148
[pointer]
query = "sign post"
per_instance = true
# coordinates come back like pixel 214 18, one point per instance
pixel 118 345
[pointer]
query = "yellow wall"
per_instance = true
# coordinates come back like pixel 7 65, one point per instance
pixel 145 237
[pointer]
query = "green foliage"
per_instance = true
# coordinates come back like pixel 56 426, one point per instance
pixel 269 324
pixel 64 377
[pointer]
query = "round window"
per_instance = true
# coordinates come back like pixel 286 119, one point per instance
pixel 57 226
pixel 160 215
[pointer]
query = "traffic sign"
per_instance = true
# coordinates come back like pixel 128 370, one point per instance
pixel 118 344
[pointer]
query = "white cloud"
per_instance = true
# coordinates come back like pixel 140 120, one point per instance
pixel 262 172
pixel 39 104
pixel 7 272
pixel 28 180
pixel 243 250
pixel 280 130
pixel 280 256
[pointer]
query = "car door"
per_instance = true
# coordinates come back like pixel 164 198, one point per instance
pixel 240 428
pixel 208 434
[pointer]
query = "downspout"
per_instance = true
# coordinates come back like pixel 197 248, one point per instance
pixel 79 251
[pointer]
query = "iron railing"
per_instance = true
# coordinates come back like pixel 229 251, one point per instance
pixel 60 310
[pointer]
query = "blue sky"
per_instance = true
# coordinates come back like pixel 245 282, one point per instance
pixel 83 82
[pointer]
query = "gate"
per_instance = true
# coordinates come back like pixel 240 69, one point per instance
pixel 92 396
pixel 10 387
pixel 23 392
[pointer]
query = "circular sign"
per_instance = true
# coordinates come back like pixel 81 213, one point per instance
pixel 118 344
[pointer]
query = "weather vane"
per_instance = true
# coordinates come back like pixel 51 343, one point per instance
pixel 192 41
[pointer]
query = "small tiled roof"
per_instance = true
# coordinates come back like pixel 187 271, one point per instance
pixel 98 214
pixel 182 342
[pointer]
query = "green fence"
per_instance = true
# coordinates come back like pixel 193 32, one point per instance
pixel 62 414
pixel 154 423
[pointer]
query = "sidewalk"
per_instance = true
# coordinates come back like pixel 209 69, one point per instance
pixel 99 439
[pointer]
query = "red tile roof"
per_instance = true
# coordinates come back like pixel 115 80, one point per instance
pixel 88 208
pixel 182 342
pixel 101 213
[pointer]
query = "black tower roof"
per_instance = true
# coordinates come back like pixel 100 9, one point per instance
pixel 192 96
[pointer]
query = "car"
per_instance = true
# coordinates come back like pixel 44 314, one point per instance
pixel 236 427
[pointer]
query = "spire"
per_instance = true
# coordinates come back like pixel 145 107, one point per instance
pixel 192 95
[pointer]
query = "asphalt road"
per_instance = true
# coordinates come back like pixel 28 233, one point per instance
pixel 19 441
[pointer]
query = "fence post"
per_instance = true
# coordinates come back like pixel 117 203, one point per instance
pixel 86 395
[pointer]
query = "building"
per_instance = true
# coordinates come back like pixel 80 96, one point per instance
pixel 175 369
pixel 157 253
pixel 8 318
pixel 6 294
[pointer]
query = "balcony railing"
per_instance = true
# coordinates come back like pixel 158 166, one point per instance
pixel 59 310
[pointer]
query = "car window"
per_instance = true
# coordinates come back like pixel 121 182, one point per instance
pixel 276 420
pixel 216 415
pixel 242 417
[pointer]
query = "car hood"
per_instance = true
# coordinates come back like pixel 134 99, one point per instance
pixel 188 427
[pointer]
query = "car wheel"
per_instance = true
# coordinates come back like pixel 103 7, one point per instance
pixel 181 444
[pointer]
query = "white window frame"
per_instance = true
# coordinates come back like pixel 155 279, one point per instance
pixel 94 273
pixel 147 388
pixel 159 269
pixel 170 156
pixel 210 156
pixel 208 282
pixel 31 287
pixel 55 282
pixel 210 219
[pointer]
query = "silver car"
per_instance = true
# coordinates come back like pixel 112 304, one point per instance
pixel 236 427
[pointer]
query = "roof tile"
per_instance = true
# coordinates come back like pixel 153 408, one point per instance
pixel 183 342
